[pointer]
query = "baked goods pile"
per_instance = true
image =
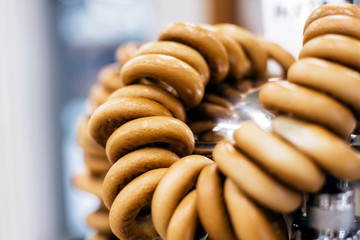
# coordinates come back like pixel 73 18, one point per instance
pixel 156 187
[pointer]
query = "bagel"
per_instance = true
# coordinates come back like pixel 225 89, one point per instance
pixel 326 149
pixel 215 222
pixel 180 51
pixel 331 9
pixel 180 178
pixel 126 220
pixel 279 158
pixel 148 130
pixel 333 24
pixel 256 183
pixel 337 80
pixel 154 93
pixel 249 220
pixel 308 104
pixel 203 41
pixel 334 47
pixel 131 166
pixel 178 74
pixel 111 115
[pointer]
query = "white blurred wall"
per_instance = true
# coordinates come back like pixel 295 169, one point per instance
pixel 30 196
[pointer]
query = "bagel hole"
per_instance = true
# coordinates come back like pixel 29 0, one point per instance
pixel 276 221
pixel 97 175
pixel 229 91
pixel 200 233
pixel 144 211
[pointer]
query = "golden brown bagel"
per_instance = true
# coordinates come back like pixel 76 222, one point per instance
pixel 180 178
pixel 148 130
pixel 209 190
pixel 326 149
pixel 333 24
pixel 154 93
pixel 333 9
pixel 183 223
pixel 238 62
pixel 180 51
pixel 112 114
pixel 203 41
pixel 248 220
pixel 254 51
pixel 279 158
pixel 125 221
pixel 308 104
pixel 86 142
pixel 178 74
pixel 334 47
pixel 255 182
pixel 337 80
pixel 131 166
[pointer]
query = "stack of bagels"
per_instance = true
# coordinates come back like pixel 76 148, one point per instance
pixel 186 83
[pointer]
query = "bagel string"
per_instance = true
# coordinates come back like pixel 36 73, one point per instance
pixel 316 112
pixel 145 120
pixel 142 126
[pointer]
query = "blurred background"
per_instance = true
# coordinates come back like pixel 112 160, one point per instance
pixel 50 53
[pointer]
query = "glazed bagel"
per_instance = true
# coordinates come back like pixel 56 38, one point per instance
pixel 148 130
pixel 108 80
